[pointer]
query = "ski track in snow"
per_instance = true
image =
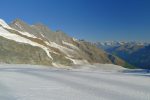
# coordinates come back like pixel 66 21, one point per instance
pixel 28 82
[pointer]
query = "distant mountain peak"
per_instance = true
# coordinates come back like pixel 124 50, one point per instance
pixel 19 24
pixel 41 26
pixel 18 21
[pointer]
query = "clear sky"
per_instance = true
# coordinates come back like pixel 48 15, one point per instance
pixel 92 20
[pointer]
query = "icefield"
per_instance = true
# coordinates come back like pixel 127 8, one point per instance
pixel 33 82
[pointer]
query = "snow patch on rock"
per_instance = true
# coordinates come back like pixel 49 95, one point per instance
pixel 4 33
pixel 70 45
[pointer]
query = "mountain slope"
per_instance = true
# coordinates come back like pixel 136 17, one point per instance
pixel 140 58
pixel 12 52
pixel 33 43
pixel 137 55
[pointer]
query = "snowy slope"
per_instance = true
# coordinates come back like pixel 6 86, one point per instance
pixel 26 82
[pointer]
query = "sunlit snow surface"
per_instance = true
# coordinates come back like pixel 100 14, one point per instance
pixel 28 82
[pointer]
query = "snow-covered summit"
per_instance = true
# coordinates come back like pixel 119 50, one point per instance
pixel 110 44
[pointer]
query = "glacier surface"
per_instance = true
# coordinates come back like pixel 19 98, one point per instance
pixel 33 82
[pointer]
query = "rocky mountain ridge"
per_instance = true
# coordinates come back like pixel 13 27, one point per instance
pixel 37 44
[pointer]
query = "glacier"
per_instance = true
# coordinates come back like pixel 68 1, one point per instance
pixel 34 82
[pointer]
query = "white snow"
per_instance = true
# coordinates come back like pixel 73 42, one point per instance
pixel 70 45
pixel 57 65
pixel 78 62
pixel 42 35
pixel 3 23
pixel 27 34
pixel 65 50
pixel 28 82
pixel 4 33
pixel 74 39
pixel 98 67
pixel 69 53
pixel 19 26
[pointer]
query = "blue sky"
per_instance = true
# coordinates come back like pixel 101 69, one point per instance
pixel 92 20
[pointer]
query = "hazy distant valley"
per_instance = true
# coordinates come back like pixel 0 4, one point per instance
pixel 135 53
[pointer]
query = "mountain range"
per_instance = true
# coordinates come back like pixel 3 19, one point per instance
pixel 21 43
pixel 135 53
